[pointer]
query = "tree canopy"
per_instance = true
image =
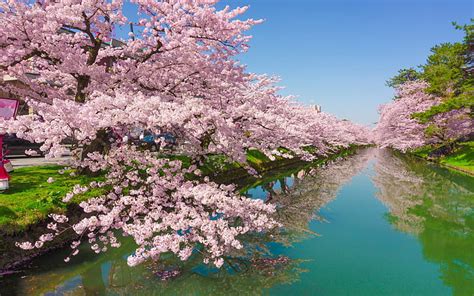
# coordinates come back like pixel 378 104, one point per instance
pixel 449 72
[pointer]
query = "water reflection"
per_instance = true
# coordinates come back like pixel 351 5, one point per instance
pixel 108 274
pixel 435 205
pixel 299 195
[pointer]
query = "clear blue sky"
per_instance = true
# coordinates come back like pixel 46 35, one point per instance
pixel 339 53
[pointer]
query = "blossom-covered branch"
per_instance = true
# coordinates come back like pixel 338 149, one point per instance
pixel 176 74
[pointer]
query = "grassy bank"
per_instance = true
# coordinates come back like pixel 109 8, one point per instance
pixel 460 159
pixel 31 198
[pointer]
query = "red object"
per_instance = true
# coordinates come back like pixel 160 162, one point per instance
pixel 3 171
pixel 8 109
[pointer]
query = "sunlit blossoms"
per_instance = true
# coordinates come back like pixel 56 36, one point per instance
pixel 176 74
pixel 398 129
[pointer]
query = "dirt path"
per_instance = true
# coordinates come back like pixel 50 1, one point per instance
pixel 36 161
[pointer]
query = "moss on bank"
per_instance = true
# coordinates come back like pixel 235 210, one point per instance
pixel 463 157
pixel 460 159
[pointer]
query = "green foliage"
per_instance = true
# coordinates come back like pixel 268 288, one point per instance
pixel 432 130
pixel 424 151
pixel 468 30
pixel 256 158
pixel 444 69
pixel 449 71
pixel 403 76
pixel 217 163
pixel 464 100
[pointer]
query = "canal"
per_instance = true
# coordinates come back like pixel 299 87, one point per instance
pixel 374 223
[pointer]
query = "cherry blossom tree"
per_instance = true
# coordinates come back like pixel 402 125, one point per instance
pixel 398 129
pixel 177 73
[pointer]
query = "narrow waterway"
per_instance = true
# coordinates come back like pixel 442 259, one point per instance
pixel 372 224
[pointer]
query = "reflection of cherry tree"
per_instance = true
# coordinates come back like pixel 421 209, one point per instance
pixel 435 205
pixel 398 189
pixel 108 274
pixel 403 183
pixel 312 189
pixel 254 280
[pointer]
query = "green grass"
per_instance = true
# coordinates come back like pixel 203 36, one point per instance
pixel 30 198
pixel 463 157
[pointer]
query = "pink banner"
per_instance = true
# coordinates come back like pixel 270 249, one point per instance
pixel 8 108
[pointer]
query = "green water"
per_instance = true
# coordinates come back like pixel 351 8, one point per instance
pixel 373 224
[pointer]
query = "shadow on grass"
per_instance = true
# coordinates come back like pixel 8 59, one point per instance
pixel 6 212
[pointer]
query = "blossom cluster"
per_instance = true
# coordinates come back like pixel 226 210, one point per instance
pixel 176 74
pixel 398 129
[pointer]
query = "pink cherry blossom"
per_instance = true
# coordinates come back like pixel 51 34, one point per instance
pixel 178 73
pixel 398 129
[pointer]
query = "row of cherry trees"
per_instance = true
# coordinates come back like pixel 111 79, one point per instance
pixel 399 129
pixel 176 73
